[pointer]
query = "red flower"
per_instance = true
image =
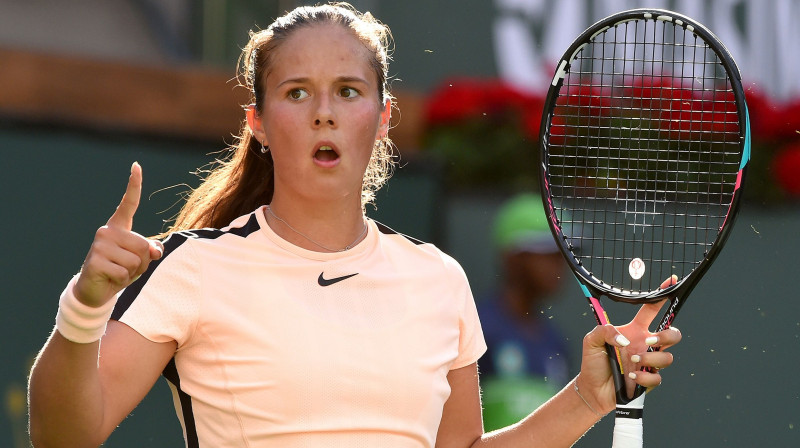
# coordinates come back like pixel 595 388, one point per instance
pixel 770 120
pixel 454 101
pixel 686 112
pixel 464 98
pixel 588 97
pixel 532 116
pixel 786 166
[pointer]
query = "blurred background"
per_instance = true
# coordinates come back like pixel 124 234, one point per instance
pixel 89 86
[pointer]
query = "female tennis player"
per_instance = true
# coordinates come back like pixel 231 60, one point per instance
pixel 287 318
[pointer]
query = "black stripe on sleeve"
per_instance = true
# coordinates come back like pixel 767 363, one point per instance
pixel 172 243
pixel 171 374
pixel 132 291
pixel 249 227
pixel 389 231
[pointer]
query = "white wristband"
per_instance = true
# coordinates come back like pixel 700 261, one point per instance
pixel 79 322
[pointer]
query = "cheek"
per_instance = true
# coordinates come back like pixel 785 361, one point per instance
pixel 283 133
pixel 367 121
pixel 281 124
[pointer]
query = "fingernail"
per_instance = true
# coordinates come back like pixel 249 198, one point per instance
pixel 652 340
pixel 158 247
pixel 622 340
pixel 636 358
pixel 632 375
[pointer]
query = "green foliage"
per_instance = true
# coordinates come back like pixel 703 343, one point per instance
pixel 485 152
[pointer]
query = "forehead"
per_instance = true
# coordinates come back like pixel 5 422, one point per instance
pixel 322 47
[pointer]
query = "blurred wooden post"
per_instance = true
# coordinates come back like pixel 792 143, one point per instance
pixel 187 101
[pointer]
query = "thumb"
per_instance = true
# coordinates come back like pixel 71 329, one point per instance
pixel 123 216
pixel 156 249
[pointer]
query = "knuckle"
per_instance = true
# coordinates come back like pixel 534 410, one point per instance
pixel 137 246
pixel 102 232
pixel 652 380
pixel 589 337
pixel 98 249
pixel 118 274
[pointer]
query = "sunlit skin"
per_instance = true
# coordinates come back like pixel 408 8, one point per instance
pixel 320 91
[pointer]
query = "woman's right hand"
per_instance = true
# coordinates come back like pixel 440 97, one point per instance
pixel 118 256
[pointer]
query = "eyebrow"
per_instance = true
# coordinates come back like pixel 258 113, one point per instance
pixel 338 80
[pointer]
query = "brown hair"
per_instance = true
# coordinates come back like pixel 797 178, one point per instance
pixel 243 181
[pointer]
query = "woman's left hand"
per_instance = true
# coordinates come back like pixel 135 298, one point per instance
pixel 633 340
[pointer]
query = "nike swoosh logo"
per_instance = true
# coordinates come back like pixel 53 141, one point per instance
pixel 328 282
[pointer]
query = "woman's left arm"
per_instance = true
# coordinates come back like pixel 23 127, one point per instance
pixel 462 418
pixel 559 422
pixel 568 415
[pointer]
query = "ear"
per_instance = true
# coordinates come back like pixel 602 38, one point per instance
pixel 386 118
pixel 255 124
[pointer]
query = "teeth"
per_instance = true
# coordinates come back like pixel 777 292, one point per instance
pixel 325 148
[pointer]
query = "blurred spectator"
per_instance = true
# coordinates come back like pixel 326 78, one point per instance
pixel 526 362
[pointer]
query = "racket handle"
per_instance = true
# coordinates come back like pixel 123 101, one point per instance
pixel 628 424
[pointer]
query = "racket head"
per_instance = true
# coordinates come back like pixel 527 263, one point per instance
pixel 644 148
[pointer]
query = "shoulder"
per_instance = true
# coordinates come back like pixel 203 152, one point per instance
pixel 416 250
pixel 181 248
pixel 241 227
pixel 388 232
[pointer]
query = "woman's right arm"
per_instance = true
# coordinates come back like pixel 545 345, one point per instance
pixel 79 395
pixel 80 391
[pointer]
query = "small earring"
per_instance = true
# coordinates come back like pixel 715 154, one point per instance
pixel 264 149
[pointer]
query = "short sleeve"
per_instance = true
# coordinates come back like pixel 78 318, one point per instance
pixel 163 304
pixel 471 343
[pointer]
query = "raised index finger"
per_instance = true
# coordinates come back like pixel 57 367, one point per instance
pixel 123 216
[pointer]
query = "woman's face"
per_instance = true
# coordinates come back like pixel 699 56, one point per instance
pixel 321 114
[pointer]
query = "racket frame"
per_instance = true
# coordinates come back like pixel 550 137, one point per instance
pixel 592 287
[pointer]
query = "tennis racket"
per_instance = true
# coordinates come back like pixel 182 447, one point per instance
pixel 645 141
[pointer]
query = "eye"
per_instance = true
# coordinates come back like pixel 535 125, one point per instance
pixel 298 94
pixel 348 92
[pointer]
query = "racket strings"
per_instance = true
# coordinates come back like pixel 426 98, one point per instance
pixel 642 152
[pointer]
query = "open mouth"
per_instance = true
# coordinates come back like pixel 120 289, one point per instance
pixel 326 153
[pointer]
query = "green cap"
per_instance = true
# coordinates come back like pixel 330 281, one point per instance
pixel 521 226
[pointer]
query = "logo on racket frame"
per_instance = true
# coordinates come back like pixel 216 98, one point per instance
pixel 636 268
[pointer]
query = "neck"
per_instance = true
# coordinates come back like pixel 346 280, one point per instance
pixel 319 228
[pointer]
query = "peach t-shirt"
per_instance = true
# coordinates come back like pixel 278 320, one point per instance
pixel 284 347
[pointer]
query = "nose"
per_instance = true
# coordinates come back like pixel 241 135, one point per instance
pixel 324 114
pixel 328 121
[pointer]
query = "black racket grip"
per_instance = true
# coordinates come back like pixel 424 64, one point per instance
pixel 618 373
